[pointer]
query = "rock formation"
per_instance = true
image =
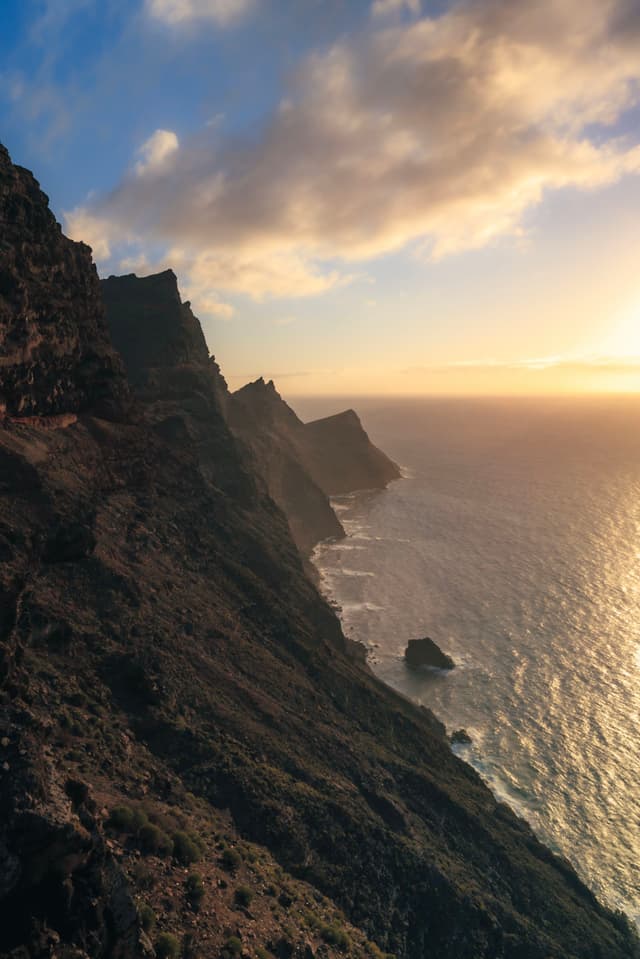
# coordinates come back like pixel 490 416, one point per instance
pixel 260 417
pixel 424 652
pixel 304 464
pixel 341 457
pixel 55 354
pixel 191 760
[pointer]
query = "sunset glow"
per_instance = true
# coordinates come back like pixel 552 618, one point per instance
pixel 404 197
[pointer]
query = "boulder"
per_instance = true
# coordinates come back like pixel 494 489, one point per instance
pixel 424 652
pixel 461 738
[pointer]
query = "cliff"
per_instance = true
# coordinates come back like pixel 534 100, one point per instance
pixel 55 354
pixel 341 457
pixel 192 761
pixel 330 456
pixel 260 417
pixel 181 391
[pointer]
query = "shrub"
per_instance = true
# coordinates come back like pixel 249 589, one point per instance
pixel 189 947
pixel 232 948
pixel 154 841
pixel 147 917
pixel 167 946
pixel 263 953
pixel 335 936
pixel 121 819
pixel 195 890
pixel 231 859
pixel 144 877
pixel 185 848
pixel 140 819
pixel 243 896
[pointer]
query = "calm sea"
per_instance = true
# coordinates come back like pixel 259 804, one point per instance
pixel 514 542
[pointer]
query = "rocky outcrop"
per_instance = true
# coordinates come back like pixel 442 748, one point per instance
pixel 151 327
pixel 460 737
pixel 55 354
pixel 424 652
pixel 260 417
pixel 306 463
pixel 341 457
pixel 166 653
pixel 180 387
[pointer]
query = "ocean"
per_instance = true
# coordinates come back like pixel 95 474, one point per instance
pixel 513 541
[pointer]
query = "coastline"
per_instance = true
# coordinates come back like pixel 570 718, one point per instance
pixel 492 769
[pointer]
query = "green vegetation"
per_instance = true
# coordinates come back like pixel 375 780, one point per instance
pixel 243 896
pixel 154 841
pixel 147 917
pixel 167 946
pixel 335 936
pixel 186 849
pixel 231 859
pixel 194 890
pixel 232 948
pixel 121 819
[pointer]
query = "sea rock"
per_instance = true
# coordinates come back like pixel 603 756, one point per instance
pixel 55 354
pixel 424 652
pixel 461 738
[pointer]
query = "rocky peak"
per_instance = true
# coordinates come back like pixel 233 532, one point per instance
pixel 55 354
pixel 260 403
pixel 150 326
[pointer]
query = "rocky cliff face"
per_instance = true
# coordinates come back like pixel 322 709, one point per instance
pixel 341 457
pixel 260 417
pixel 183 395
pixel 305 463
pixel 192 761
pixel 55 354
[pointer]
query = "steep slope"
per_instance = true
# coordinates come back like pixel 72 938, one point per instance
pixel 182 392
pixel 165 354
pixel 270 428
pixel 55 354
pixel 163 650
pixel 341 457
pixel 304 464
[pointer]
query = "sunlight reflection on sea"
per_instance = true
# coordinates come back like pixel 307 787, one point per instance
pixel 514 541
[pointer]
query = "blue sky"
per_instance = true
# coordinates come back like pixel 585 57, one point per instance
pixel 387 196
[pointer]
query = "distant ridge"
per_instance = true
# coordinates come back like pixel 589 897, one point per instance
pixel 333 455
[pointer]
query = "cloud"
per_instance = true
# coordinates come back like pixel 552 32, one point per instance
pixel 387 8
pixel 156 152
pixel 438 134
pixel 222 12
pixel 81 224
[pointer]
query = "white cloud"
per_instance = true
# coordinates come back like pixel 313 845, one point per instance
pixel 156 152
pixel 441 133
pixel 387 8
pixel 81 224
pixel 221 12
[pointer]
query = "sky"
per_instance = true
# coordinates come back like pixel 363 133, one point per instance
pixel 357 196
